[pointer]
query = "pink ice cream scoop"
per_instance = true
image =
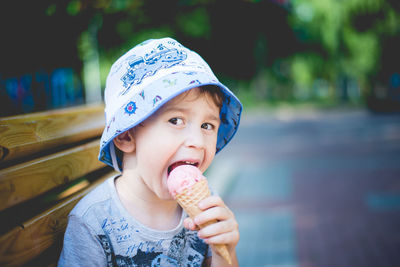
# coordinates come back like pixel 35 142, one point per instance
pixel 182 177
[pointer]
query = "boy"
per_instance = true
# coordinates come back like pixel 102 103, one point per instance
pixel 164 108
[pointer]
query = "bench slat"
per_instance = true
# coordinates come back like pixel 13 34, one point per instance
pixel 26 242
pixel 25 135
pixel 30 179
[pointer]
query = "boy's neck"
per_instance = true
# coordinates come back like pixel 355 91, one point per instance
pixel 153 212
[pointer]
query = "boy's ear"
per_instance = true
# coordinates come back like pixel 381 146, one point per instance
pixel 125 142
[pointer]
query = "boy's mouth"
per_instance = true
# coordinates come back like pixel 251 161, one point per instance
pixel 179 163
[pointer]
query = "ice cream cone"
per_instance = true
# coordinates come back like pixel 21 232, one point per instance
pixel 189 199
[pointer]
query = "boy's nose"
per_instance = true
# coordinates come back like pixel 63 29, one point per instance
pixel 194 138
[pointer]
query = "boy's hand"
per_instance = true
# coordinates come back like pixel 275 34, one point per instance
pixel 224 231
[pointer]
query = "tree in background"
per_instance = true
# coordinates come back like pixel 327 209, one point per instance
pixel 276 50
pixel 267 50
pixel 350 45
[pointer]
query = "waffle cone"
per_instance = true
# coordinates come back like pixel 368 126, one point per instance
pixel 189 199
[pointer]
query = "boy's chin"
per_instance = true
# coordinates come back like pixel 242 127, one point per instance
pixel 166 196
pixel 170 198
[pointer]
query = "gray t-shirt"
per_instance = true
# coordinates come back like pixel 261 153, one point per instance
pixel 101 232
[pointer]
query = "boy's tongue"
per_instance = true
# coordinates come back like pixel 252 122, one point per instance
pixel 182 177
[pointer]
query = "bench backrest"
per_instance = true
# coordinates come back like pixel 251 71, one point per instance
pixel 48 161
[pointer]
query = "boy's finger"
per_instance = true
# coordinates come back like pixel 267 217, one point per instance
pixel 218 228
pixel 189 224
pixel 214 213
pixel 211 201
pixel 225 238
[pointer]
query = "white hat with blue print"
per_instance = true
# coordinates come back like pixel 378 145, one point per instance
pixel 147 77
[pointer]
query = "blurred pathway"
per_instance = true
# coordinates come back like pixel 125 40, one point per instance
pixel 315 188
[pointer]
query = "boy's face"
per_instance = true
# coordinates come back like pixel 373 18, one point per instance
pixel 183 131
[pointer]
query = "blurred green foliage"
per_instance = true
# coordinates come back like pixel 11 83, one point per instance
pixel 271 50
pixel 351 36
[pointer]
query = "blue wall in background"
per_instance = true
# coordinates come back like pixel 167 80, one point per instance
pixel 40 91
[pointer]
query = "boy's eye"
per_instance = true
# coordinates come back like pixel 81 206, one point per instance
pixel 207 126
pixel 176 121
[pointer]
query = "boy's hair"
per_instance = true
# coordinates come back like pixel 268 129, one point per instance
pixel 147 77
pixel 214 92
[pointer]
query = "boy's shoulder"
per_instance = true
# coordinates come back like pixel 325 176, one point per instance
pixel 98 198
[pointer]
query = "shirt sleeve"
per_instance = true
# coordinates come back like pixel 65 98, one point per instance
pixel 81 246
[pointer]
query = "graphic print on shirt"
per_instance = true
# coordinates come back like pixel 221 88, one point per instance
pixel 189 241
pixel 177 245
pixel 197 245
pixel 185 249
pixel 144 254
pixel 106 244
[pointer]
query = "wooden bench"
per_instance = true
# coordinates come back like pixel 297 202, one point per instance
pixel 48 161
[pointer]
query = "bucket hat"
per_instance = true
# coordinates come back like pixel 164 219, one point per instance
pixel 148 76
